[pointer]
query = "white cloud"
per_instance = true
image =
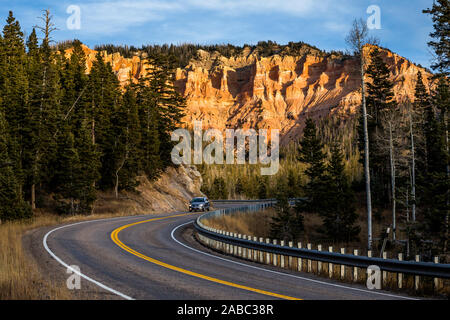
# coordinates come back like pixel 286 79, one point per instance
pixel 115 16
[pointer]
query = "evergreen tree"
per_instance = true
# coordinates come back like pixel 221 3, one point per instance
pixel 261 187
pixel 65 170
pixel 287 224
pixel 12 205
pixel 379 100
pixel 125 157
pixel 166 102
pixel 311 153
pixel 102 98
pixel 44 107
pixel 434 182
pixel 86 172
pixel 74 86
pixel 218 189
pixel 440 13
pixel 340 215
pixel 151 163
pixel 14 88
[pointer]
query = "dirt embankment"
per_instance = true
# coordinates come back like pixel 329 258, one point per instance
pixel 171 192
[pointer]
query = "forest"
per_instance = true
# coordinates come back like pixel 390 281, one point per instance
pixel 65 134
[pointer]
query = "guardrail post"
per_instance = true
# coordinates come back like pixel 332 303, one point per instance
pixel 355 269
pixel 385 274
pixel 245 250
pixel 342 266
pixel 291 244
pixel 281 256
pixel 275 262
pixel 299 260
pixel 267 254
pixel 417 278
pixel 400 275
pixel 436 281
pixel 251 252
pixel 235 248
pixel 330 265
pixel 227 246
pixel 240 248
pixel 255 252
pixel 319 263
pixel 309 261
pixel 261 253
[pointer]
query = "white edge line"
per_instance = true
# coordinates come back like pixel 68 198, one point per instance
pixel 101 285
pixel 281 273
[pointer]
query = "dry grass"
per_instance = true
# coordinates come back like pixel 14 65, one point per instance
pixel 252 224
pixel 20 278
pixel 257 224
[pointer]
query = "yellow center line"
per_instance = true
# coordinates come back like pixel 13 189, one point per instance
pixel 115 239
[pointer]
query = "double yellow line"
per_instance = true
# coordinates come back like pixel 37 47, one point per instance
pixel 116 240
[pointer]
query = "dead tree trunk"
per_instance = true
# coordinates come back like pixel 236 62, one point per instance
pixel 392 162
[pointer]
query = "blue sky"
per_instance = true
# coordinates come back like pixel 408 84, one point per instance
pixel 323 23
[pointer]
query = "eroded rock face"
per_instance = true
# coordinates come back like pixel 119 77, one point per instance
pixel 276 92
pixel 280 91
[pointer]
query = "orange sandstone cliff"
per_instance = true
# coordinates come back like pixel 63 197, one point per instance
pixel 275 92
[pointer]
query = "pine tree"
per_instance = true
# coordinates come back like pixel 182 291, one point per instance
pixel 86 173
pixel 74 86
pixel 44 110
pixel 261 187
pixel 311 153
pixel 12 205
pixel 440 13
pixel 125 153
pixel 14 88
pixel 65 168
pixel 434 182
pixel 218 189
pixel 287 224
pixel 340 215
pixel 379 100
pixel 166 103
pixel 102 98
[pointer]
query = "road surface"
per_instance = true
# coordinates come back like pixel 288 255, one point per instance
pixel 156 257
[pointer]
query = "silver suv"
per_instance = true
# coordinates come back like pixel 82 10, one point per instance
pixel 199 204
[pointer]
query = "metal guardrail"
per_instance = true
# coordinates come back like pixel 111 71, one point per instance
pixel 430 269
pixel 258 200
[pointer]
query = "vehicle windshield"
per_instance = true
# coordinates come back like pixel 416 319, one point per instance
pixel 197 200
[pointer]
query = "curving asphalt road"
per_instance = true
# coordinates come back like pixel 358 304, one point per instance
pixel 155 257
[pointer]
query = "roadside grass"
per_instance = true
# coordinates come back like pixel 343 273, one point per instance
pixel 20 278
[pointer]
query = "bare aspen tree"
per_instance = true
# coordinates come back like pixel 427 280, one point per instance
pixel 390 140
pixel 392 165
pixel 413 167
pixel 357 39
